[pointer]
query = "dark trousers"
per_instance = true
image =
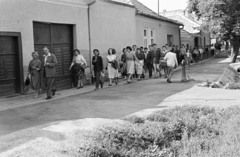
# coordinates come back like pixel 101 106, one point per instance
pixel 212 52
pixel 50 85
pixel 150 68
pixel 181 58
pixel 97 77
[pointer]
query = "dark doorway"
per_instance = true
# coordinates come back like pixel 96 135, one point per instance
pixel 196 42
pixel 170 40
pixel 11 81
pixel 59 39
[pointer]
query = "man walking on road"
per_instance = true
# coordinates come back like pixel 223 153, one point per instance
pixel 97 63
pixel 50 61
pixel 172 63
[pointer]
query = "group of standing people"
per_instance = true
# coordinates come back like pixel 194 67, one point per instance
pixel 133 63
pixel 191 55
pixel 136 61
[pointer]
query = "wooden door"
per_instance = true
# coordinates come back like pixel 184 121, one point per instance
pixel 59 39
pixel 9 66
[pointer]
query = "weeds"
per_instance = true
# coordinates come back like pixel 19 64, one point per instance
pixel 188 131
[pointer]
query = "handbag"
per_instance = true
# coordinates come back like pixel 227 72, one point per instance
pixel 83 66
pixel 163 63
pixel 27 81
pixel 114 64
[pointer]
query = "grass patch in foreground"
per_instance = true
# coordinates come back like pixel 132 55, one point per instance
pixel 188 131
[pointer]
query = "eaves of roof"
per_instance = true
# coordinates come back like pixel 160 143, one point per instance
pixel 161 19
pixel 188 19
pixel 117 3
pixel 143 10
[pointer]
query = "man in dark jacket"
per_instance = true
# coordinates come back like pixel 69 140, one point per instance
pixel 149 61
pixel 49 72
pixel 156 59
pixel 145 52
pixel 97 63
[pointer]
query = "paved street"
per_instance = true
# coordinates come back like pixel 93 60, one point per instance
pixel 115 102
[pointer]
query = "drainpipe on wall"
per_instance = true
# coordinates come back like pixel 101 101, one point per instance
pixel 89 35
pixel 180 27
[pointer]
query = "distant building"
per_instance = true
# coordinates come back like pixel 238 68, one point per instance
pixel 63 25
pixel 191 35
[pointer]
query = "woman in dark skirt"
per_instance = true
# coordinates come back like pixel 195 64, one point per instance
pixel 34 69
pixel 78 68
pixel 124 64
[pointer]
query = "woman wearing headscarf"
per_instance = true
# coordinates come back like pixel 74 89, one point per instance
pixel 34 69
pixel 78 64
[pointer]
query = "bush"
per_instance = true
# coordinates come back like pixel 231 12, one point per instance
pixel 134 119
pixel 181 131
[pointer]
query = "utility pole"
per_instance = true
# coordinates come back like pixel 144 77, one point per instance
pixel 158 7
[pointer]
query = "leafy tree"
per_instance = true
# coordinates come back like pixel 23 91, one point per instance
pixel 221 18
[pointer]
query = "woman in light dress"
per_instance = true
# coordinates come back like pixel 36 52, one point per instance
pixel 34 69
pixel 112 72
pixel 196 54
pixel 78 65
pixel 188 58
pixel 201 52
pixel 130 56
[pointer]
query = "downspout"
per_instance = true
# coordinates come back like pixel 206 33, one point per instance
pixel 89 35
pixel 180 34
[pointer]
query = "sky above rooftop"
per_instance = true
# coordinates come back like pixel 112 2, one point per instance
pixel 165 4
